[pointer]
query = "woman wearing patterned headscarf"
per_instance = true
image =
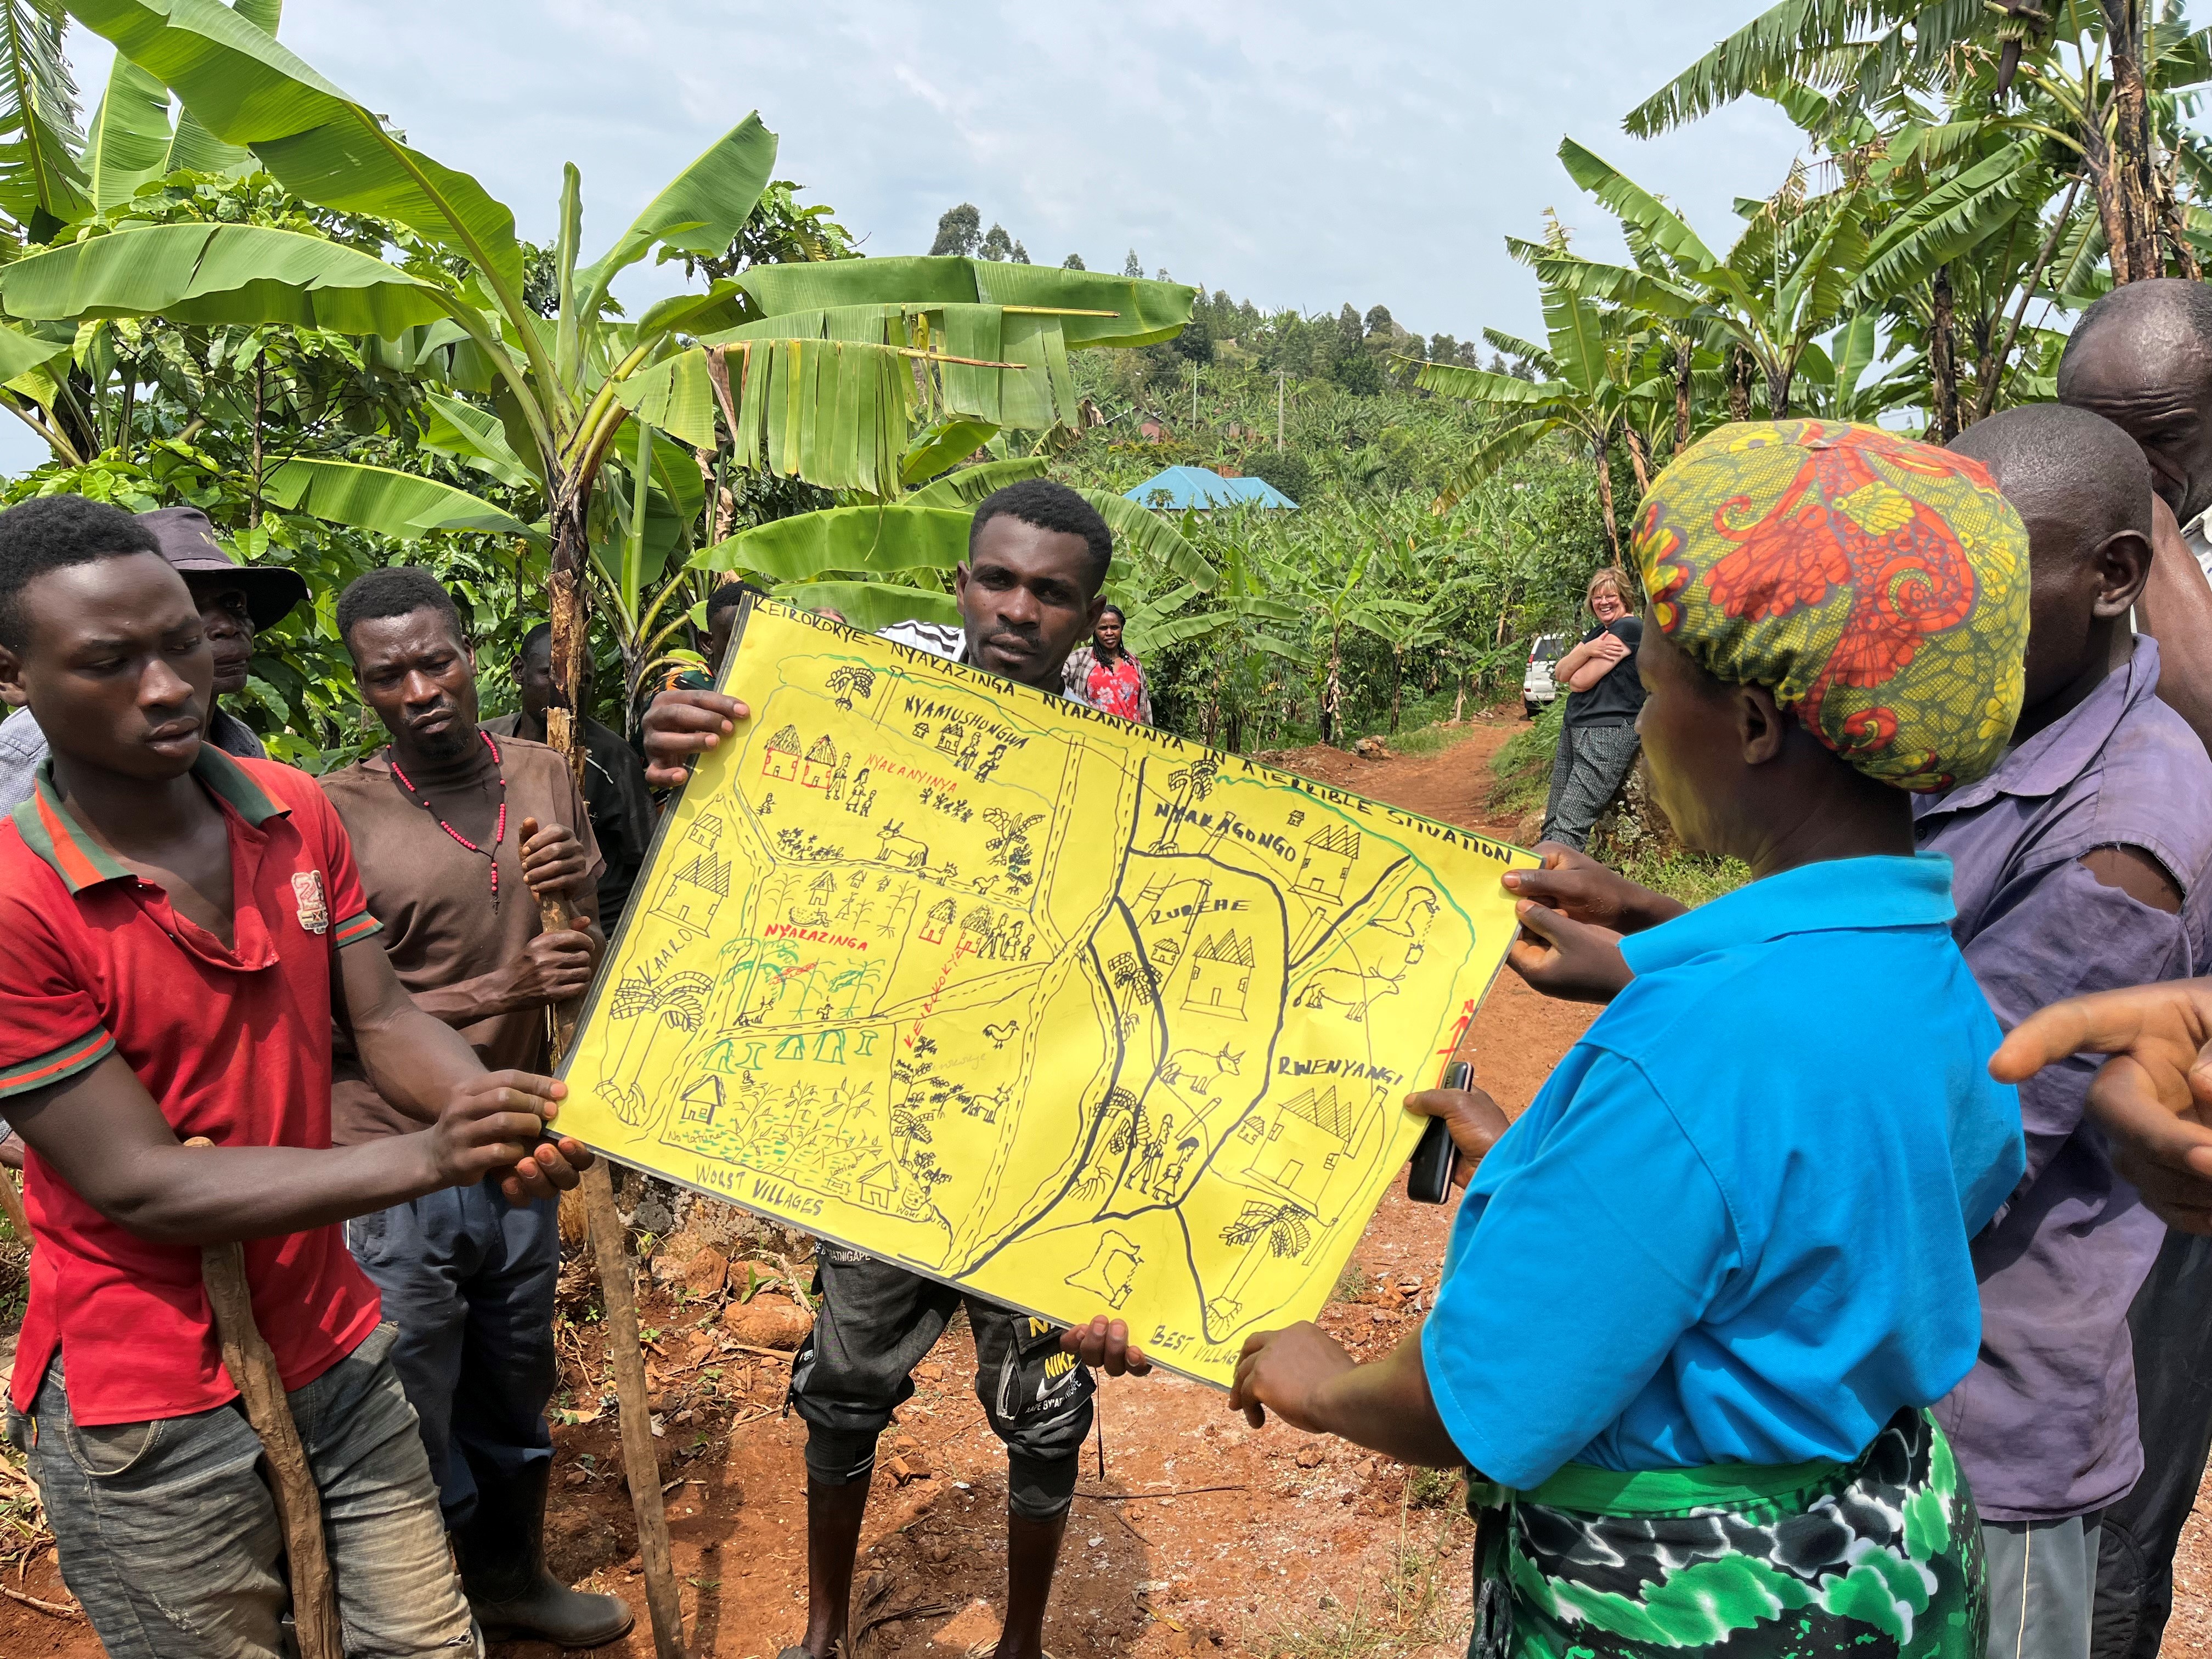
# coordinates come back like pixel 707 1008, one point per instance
pixel 1700 1295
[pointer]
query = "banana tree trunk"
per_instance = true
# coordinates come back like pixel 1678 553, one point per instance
pixel 570 643
pixel 1605 497
pixel 1779 377
pixel 1942 359
pixel 1639 460
pixel 2127 187
pixel 1739 384
pixel 1682 358
pixel 1332 694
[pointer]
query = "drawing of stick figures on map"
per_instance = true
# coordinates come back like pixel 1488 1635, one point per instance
pixel 676 1000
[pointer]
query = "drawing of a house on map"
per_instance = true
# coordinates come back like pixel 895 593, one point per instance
pixel 1031 999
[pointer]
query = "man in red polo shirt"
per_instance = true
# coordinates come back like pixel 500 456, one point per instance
pixel 175 923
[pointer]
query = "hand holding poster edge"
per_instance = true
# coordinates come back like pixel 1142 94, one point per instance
pixel 1355 952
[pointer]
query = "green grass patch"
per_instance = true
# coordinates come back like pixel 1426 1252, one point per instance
pixel 1436 1489
pixel 1690 878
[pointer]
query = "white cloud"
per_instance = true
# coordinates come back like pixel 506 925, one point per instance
pixel 1297 152
pixel 1294 152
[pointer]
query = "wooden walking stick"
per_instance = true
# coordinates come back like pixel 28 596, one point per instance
pixel 253 1373
pixel 626 1350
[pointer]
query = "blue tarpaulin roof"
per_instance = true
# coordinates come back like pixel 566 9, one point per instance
pixel 1180 487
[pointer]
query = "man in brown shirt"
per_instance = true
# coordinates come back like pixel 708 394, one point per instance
pixel 445 822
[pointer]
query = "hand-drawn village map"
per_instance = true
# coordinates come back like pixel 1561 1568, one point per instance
pixel 1032 999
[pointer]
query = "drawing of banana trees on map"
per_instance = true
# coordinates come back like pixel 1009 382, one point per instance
pixel 675 1002
pixel 1030 999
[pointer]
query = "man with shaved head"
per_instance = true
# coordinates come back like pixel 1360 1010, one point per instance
pixel 2142 357
pixel 2080 862
pixel 2084 860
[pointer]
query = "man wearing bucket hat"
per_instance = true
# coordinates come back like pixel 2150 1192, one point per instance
pixel 236 601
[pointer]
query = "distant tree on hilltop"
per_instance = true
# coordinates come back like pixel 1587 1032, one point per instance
pixel 959 231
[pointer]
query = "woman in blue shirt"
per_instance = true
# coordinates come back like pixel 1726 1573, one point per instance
pixel 1698 1298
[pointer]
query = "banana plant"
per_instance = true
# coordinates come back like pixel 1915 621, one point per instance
pixel 815 378
pixel 1788 278
pixel 1595 385
pixel 42 182
pixel 2111 85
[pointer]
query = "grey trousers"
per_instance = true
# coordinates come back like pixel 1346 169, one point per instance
pixel 2172 1320
pixel 876 1323
pixel 169 1538
pixel 469 1279
pixel 1592 763
pixel 2043 1582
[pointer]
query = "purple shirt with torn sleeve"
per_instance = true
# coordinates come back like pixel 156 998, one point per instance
pixel 2044 1425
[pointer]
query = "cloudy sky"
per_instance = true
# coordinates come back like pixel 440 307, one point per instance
pixel 1296 153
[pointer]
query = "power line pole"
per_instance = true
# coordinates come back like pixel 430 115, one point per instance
pixel 1278 411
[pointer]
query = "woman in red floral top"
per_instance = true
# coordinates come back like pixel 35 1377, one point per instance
pixel 1107 676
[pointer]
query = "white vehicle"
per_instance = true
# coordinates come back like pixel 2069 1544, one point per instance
pixel 1537 685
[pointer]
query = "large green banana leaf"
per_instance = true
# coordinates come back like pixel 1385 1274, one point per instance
pixel 194 148
pixel 1576 328
pixel 872 607
pixel 1016 373
pixel 942 446
pixel 676 395
pixel 39 140
pixel 1958 214
pixel 1665 229
pixel 846 539
pixel 1124 311
pixel 246 89
pixel 700 211
pixel 20 353
pixel 834 412
pixel 476 436
pixel 127 144
pixel 400 505
pixel 216 273
pixel 1479 386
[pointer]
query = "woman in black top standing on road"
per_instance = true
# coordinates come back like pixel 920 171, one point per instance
pixel 1597 745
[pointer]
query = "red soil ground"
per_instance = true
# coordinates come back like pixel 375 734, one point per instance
pixel 1191 1533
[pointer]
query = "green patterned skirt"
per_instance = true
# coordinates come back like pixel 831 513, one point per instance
pixel 1878 1557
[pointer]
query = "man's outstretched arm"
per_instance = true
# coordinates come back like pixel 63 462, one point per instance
pixel 420 1065
pixel 103 1133
pixel 2152 1099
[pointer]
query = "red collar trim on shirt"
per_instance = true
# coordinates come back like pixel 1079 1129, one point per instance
pixel 49 830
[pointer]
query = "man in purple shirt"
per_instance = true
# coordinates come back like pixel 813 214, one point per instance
pixel 2142 357
pixel 2080 865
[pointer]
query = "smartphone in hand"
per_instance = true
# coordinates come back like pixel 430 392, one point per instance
pixel 1429 1176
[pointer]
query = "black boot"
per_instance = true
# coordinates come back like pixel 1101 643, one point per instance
pixel 502 1551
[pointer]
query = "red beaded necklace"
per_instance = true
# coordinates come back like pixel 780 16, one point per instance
pixel 498 831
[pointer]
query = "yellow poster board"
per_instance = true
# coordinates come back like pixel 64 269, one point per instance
pixel 1031 999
